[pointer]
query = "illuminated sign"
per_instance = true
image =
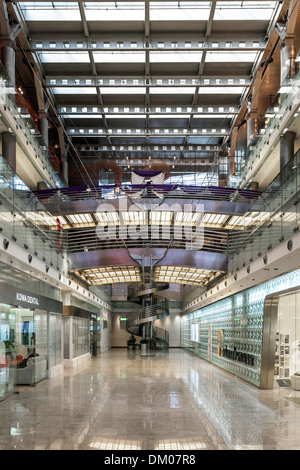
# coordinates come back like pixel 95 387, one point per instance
pixel 27 298
pixel 233 354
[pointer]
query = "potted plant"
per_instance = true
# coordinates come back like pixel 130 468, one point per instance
pixel 131 342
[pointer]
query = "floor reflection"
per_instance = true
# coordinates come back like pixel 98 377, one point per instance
pixel 167 401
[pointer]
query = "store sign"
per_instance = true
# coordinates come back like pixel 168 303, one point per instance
pixel 13 295
pixel 27 298
pixel 232 354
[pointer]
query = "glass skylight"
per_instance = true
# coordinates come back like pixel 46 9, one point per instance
pixel 65 57
pixel 47 13
pixel 71 90
pixel 111 275
pixel 179 56
pixel 182 275
pixel 172 90
pixel 232 56
pixel 122 90
pixel 81 219
pixel 171 13
pixel 119 57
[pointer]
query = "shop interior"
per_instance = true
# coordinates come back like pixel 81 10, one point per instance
pixel 287 348
pixel 23 347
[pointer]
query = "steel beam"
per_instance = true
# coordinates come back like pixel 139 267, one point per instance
pixel 159 132
pixel 196 149
pixel 119 1
pixel 94 205
pixel 98 44
pixel 157 111
pixel 101 258
pixel 190 148
pixel 147 82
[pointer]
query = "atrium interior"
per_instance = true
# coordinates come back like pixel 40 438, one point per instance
pixel 149 225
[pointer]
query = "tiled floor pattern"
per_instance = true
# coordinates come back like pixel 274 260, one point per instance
pixel 169 401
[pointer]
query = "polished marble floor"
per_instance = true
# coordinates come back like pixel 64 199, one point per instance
pixel 169 401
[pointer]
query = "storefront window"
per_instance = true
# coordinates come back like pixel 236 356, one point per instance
pixel 232 331
pixel 287 352
pixel 23 348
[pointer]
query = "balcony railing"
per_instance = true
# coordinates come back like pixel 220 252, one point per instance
pixel 268 135
pixel 278 219
pixel 31 140
pixel 18 211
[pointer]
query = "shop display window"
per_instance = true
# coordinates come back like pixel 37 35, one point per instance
pixel 287 349
pixel 23 348
pixel 235 325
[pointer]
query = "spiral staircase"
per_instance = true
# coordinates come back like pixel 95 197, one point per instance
pixel 150 307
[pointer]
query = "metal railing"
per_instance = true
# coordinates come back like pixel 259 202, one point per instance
pixel 88 240
pixel 149 308
pixel 83 193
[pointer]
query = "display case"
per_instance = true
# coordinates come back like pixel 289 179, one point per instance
pixel 282 356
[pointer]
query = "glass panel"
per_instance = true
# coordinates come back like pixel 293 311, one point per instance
pixel 81 336
pixel 23 348
pixel 66 336
pixel 55 344
pixel 240 319
pixel 8 343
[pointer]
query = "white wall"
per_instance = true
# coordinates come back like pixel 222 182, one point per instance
pixel 119 336
pixel 171 323
pixel 105 339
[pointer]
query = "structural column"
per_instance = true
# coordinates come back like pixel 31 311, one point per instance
pixel 9 146
pixel 251 131
pixel 287 55
pixel 65 167
pixel 286 148
pixel 43 126
pixel 8 60
pixel 63 151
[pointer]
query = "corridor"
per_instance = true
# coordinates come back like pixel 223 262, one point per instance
pixel 169 401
